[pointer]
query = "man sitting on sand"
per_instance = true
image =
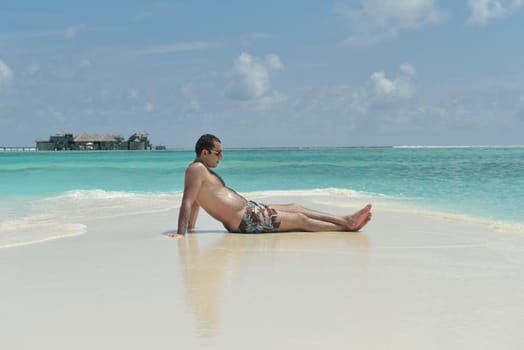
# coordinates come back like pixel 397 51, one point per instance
pixel 204 188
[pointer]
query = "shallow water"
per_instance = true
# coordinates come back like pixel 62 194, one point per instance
pixel 42 189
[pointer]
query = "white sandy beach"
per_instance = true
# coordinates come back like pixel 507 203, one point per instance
pixel 407 281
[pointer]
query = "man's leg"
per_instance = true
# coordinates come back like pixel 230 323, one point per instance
pixel 296 217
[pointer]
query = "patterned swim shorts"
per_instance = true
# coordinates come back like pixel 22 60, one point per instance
pixel 259 218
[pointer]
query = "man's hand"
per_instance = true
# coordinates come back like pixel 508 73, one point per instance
pixel 175 235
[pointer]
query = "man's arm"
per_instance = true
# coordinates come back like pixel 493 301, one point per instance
pixel 193 182
pixel 193 217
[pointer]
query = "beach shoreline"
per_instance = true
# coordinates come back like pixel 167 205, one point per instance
pixel 407 281
pixel 67 215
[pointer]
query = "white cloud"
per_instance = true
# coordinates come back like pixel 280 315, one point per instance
pixel 178 47
pixel 381 84
pixel 257 36
pixel 252 38
pixel 143 15
pixel 408 69
pixel 133 94
pixel 252 76
pixel 33 68
pixel 385 111
pixel 274 62
pixel 6 75
pixel 148 108
pixel 267 102
pixel 191 102
pixel 483 11
pixel 378 20
pixel 400 88
pixel 520 107
pixel 70 32
pixel 192 105
pixel 84 63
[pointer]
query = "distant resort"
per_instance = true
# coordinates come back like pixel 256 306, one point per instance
pixel 64 141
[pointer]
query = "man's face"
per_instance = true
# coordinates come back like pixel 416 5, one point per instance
pixel 214 156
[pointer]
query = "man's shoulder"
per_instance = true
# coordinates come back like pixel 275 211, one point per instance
pixel 196 168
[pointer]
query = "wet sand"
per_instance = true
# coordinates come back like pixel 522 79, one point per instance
pixel 407 281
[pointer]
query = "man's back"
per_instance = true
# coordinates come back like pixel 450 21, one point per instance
pixel 216 199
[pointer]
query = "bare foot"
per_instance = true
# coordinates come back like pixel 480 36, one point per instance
pixel 359 219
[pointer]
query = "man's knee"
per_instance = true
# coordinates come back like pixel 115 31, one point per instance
pixel 302 219
pixel 295 207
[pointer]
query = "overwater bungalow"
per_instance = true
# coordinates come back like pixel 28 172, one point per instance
pixel 64 141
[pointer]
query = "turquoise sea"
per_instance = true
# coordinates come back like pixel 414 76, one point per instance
pixel 54 192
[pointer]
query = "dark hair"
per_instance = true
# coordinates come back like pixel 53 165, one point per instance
pixel 205 142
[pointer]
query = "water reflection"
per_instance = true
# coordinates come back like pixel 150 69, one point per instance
pixel 211 264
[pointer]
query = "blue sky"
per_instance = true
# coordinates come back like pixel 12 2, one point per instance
pixel 270 73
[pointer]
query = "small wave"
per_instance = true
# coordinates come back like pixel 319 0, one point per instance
pixel 104 194
pixel 318 192
pixel 69 213
pixel 16 233
pixel 99 204
pixel 496 225
pixel 457 146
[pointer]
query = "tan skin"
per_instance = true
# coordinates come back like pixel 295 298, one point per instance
pixel 203 189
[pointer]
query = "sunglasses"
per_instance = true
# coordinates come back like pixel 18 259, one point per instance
pixel 217 153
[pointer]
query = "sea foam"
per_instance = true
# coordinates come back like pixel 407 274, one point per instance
pixel 68 214
pixel 31 230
